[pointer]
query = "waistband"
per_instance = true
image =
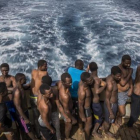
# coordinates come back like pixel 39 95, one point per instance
pixel 136 95
pixel 33 96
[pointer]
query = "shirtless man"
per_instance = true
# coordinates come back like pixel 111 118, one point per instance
pixel 5 122
pixel 98 88
pixel 66 101
pixel 20 103
pixel 111 99
pixel 45 109
pixel 35 85
pixel 125 87
pixel 84 101
pixel 135 100
pixel 8 79
pixel 55 104
pixel 10 83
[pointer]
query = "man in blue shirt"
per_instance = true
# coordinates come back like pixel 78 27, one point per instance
pixel 75 73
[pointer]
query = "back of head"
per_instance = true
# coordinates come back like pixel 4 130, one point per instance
pixel 44 87
pixel 19 76
pixel 41 63
pixel 115 70
pixel 126 57
pixel 64 76
pixel 47 80
pixel 79 64
pixel 93 66
pixel 2 87
pixel 85 76
pixel 4 65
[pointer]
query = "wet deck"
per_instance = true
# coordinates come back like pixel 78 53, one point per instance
pixel 123 133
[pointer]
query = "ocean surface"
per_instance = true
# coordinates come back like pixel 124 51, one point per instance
pixel 61 31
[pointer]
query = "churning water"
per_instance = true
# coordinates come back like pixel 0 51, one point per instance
pixel 61 31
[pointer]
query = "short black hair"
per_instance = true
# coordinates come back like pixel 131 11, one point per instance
pixel 2 87
pixel 44 87
pixel 79 63
pixel 19 76
pixel 126 57
pixel 93 66
pixel 85 76
pixel 41 62
pixel 4 65
pixel 115 70
pixel 47 80
pixel 64 76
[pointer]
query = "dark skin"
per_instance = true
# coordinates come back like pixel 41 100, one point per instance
pixel 56 103
pixel 37 78
pixel 111 96
pixel 98 88
pixel 9 80
pixel 9 136
pixel 66 101
pixel 125 84
pixel 84 100
pixel 19 100
pixel 45 108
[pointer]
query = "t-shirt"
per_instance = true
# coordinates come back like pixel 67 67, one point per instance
pixel 76 76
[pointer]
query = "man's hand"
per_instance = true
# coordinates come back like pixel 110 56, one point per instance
pixel 74 121
pixel 68 120
pixel 130 70
pixel 27 121
pixel 103 83
pixel 52 131
pixel 84 119
pixel 112 116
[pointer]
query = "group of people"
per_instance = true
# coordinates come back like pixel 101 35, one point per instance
pixel 76 97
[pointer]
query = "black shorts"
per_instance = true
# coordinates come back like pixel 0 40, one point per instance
pixel 88 112
pixel 47 133
pixel 4 120
pixel 114 107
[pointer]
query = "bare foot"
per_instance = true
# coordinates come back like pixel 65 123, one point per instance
pixel 111 135
pixel 95 134
pixel 81 131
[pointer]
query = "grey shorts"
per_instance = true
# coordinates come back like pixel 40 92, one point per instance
pixel 122 98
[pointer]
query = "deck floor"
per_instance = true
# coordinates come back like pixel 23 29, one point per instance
pixel 123 133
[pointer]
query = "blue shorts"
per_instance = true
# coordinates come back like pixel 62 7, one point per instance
pixel 11 108
pixel 98 113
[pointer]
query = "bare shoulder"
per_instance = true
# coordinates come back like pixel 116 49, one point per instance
pixel 34 71
pixel 97 80
pixel 12 77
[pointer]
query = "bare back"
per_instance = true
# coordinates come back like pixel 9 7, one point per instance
pixel 111 90
pixel 36 80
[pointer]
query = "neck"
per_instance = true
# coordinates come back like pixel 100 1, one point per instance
pixel 46 99
pixel 19 86
pixel 78 68
pixel 4 76
pixel 94 73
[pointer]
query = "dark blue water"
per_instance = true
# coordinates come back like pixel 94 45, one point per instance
pixel 61 31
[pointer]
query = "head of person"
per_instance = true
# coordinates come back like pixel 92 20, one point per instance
pixel 86 78
pixel 46 91
pixel 20 78
pixel 3 88
pixel 66 80
pixel 47 80
pixel 126 61
pixel 93 67
pixel 4 69
pixel 79 64
pixel 116 73
pixel 42 65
